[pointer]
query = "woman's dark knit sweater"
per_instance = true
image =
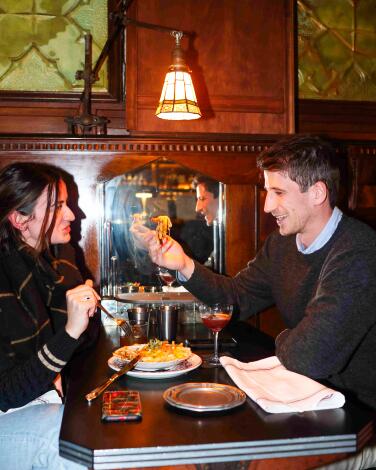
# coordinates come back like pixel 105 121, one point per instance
pixel 34 346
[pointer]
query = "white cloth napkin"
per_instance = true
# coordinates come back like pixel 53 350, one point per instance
pixel 278 390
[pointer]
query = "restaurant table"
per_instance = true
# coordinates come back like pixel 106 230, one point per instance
pixel 170 436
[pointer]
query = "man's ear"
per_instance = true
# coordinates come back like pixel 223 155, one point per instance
pixel 18 220
pixel 319 193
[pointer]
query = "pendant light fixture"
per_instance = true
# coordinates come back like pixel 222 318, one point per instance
pixel 178 99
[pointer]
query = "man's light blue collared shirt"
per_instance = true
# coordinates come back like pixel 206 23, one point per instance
pixel 324 236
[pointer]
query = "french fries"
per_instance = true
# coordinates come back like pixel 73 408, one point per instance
pixel 156 351
pixel 163 226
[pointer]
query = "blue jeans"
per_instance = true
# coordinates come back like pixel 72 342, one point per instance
pixel 29 439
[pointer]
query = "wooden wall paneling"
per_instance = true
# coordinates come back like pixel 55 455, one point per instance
pixel 355 120
pixel 362 191
pixel 42 117
pixel 240 227
pixel 241 57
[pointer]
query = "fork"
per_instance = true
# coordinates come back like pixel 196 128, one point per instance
pixel 121 323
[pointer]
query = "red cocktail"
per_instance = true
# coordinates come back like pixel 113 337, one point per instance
pixel 216 318
pixel 165 276
pixel 216 322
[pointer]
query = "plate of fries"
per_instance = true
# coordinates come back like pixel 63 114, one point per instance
pixel 155 355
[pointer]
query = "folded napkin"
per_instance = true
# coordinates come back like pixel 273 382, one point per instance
pixel 278 390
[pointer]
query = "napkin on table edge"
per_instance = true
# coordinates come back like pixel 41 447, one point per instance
pixel 247 377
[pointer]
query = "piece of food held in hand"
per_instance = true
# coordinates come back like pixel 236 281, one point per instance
pixel 163 226
pixel 156 351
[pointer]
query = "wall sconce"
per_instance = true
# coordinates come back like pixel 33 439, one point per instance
pixel 178 99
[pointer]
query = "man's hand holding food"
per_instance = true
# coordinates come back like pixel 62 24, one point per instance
pixel 168 254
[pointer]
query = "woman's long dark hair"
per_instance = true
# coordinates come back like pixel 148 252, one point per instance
pixel 21 184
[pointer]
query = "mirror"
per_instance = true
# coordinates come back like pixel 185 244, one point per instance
pixel 159 188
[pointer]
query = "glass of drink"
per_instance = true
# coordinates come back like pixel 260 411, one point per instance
pixel 165 276
pixel 215 317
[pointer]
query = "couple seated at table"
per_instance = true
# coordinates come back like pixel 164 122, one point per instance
pixel 319 271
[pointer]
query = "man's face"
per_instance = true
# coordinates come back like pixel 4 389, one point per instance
pixel 64 216
pixel 206 204
pixel 293 210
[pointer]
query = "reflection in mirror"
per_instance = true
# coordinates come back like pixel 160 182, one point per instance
pixel 192 201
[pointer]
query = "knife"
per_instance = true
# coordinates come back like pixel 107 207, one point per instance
pixel 101 388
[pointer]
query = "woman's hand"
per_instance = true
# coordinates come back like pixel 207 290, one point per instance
pixel 81 306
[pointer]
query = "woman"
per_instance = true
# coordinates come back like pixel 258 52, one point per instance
pixel 45 310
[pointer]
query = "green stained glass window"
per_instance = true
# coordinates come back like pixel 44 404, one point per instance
pixel 337 49
pixel 42 43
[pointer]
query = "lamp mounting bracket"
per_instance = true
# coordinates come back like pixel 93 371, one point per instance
pixel 85 122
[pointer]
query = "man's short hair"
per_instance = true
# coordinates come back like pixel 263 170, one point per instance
pixel 306 159
pixel 210 185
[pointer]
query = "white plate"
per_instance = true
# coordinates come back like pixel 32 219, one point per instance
pixel 151 366
pixel 187 365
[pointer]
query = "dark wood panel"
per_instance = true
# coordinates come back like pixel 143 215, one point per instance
pixel 240 55
pixel 38 117
pixel 240 236
pixel 362 190
pixel 338 119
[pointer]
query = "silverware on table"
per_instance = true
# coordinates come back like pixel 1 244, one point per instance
pixel 121 323
pixel 101 388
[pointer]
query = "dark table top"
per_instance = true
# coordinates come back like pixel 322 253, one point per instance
pixel 169 436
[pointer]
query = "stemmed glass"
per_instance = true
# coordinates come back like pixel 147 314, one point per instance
pixel 165 276
pixel 216 318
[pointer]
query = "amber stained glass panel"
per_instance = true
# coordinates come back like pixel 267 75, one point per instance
pixel 337 49
pixel 42 43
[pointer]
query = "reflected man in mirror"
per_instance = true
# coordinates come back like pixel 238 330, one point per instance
pixel 207 193
pixel 207 206
pixel 318 268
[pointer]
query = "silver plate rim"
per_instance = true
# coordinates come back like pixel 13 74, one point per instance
pixel 241 397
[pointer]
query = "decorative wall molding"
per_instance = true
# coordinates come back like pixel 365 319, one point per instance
pixel 142 145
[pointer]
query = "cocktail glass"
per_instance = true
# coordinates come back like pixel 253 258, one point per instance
pixel 165 276
pixel 215 317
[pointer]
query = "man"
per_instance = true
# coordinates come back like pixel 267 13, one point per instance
pixel 319 271
pixel 207 192
pixel 207 206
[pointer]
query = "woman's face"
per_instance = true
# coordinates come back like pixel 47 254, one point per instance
pixel 64 217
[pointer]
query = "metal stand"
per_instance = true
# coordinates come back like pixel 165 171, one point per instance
pixel 86 123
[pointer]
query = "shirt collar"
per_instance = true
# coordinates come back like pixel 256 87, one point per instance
pixel 324 236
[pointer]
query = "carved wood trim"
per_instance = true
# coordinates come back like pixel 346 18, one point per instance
pixel 362 150
pixel 131 145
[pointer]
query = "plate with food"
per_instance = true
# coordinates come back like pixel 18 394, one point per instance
pixel 193 362
pixel 155 355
